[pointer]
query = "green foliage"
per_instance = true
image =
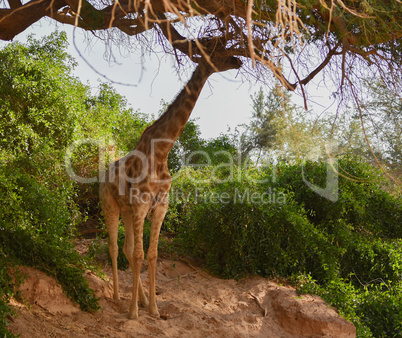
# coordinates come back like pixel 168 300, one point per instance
pixel 39 99
pixel 107 119
pixel 9 280
pixel 255 239
pixel 261 230
pixel 221 151
pixel 360 198
pixel 57 258
pixel 192 150
pixel 342 295
pixel 283 131
pixel 261 133
pixel 381 310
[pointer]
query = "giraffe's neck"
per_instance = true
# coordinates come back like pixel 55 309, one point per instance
pixel 162 134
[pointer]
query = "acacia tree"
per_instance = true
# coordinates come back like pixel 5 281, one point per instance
pixel 261 132
pixel 283 130
pixel 295 39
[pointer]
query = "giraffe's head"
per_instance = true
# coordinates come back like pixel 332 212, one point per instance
pixel 220 64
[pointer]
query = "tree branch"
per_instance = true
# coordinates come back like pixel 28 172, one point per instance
pixel 331 53
pixel 15 20
pixel 129 26
pixel 263 32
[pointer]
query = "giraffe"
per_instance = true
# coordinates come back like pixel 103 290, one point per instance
pixel 140 182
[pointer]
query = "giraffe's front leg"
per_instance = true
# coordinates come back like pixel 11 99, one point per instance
pixel 128 250
pixel 138 216
pixel 152 255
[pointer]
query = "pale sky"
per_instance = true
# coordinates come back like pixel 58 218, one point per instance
pixel 224 102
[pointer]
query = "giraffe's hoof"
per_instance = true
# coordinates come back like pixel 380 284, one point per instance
pixel 133 315
pixel 154 313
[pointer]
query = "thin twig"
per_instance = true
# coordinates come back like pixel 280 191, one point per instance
pixel 264 310
pixel 188 263
pixel 182 276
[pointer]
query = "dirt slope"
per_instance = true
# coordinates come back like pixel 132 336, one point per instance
pixel 192 303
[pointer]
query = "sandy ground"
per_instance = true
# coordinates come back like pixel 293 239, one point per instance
pixel 192 303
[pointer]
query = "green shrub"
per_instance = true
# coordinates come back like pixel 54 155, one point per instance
pixel 380 309
pixel 10 279
pixel 360 201
pixel 56 257
pixel 372 261
pixel 365 220
pixel 39 98
pixel 241 227
pixel 238 239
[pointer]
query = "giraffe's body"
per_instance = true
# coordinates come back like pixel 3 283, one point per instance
pixel 140 181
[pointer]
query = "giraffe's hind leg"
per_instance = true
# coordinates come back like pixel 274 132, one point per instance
pixel 152 255
pixel 111 212
pixel 128 250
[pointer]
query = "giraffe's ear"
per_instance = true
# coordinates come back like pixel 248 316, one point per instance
pixel 226 63
pixel 235 62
